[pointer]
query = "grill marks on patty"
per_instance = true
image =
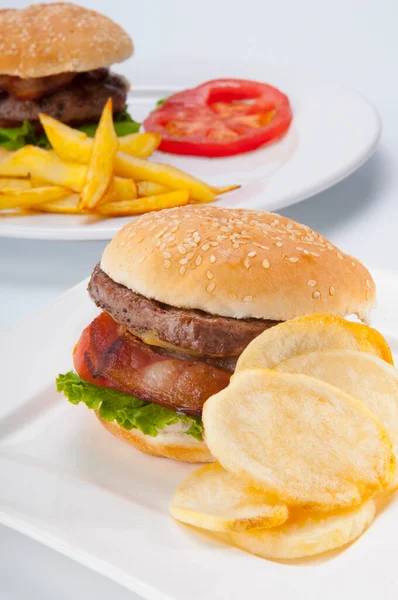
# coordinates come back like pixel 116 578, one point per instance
pixel 190 330
pixel 80 100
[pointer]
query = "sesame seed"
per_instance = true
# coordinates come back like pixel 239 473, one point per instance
pixel 292 259
pixel 162 247
pixel 166 255
pixel 209 275
pixel 233 296
pixel 211 287
pixel 332 291
pixel 266 263
pixel 182 250
pixel 198 260
pixel 190 255
pixel 182 270
pixel 311 282
pixel 367 283
pixel 212 258
pixel 315 254
pixel 339 255
pixel 252 254
pixel 248 299
pixel 246 262
pixel 167 264
pixel 279 244
pixel 305 251
pixel 353 264
pixel 235 245
pixel 206 246
pixel 214 244
pixel 316 295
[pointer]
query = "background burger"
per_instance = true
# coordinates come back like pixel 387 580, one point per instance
pixel 55 59
pixel 183 292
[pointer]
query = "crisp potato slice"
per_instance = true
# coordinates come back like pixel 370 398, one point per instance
pixel 365 376
pixel 144 205
pixel 171 177
pixel 306 533
pixel 299 438
pixel 212 498
pixel 100 168
pixel 25 199
pixel 148 188
pixel 140 144
pixel 308 334
pixel 15 183
pixel 33 161
pixel 65 206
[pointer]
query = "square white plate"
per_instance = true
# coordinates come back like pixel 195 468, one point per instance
pixel 69 484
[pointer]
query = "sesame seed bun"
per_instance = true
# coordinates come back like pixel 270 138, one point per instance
pixel 237 263
pixel 47 39
pixel 178 446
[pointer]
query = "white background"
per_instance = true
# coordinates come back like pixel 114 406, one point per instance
pixel 354 42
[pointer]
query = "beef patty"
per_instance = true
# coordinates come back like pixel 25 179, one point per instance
pixel 80 100
pixel 191 330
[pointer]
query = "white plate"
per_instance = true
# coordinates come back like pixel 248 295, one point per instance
pixel 69 484
pixel 333 132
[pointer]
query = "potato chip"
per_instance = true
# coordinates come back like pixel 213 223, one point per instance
pixel 308 334
pixel 212 498
pixel 306 533
pixel 299 438
pixel 365 376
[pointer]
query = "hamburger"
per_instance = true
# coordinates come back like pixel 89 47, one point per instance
pixel 55 59
pixel 182 293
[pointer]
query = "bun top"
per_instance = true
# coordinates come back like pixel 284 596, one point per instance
pixel 47 39
pixel 237 263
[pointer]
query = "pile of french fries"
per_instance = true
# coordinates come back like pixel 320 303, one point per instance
pixel 106 176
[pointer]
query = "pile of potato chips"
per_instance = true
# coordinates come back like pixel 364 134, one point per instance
pixel 306 438
pixel 106 176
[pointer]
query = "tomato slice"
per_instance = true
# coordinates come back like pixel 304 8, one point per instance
pixel 222 117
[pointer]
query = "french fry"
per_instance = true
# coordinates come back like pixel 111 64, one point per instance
pixel 25 199
pixel 144 170
pixel 144 205
pixel 121 189
pixel 64 206
pixel 37 182
pixel 15 183
pixel 70 144
pixel 100 168
pixel 73 145
pixel 33 161
pixel 224 189
pixel 148 188
pixel 139 144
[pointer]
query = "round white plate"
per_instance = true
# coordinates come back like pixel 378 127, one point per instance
pixel 334 131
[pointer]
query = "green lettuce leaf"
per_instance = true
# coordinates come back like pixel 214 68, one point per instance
pixel 14 138
pixel 128 411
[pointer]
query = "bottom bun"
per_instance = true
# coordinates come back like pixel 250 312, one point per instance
pixel 172 444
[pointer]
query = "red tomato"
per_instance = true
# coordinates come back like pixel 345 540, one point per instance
pixel 82 347
pixel 221 118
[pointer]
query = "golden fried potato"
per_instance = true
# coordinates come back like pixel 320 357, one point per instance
pixel 33 161
pixel 306 533
pixel 299 438
pixel 171 177
pixel 308 334
pixel 140 144
pixel 144 205
pixel 25 199
pixel 212 498
pixel 65 206
pixel 365 376
pixel 148 188
pixel 120 190
pixel 100 168
pixel 15 183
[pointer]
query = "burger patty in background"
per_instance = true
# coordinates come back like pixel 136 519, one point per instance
pixel 184 291
pixel 80 99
